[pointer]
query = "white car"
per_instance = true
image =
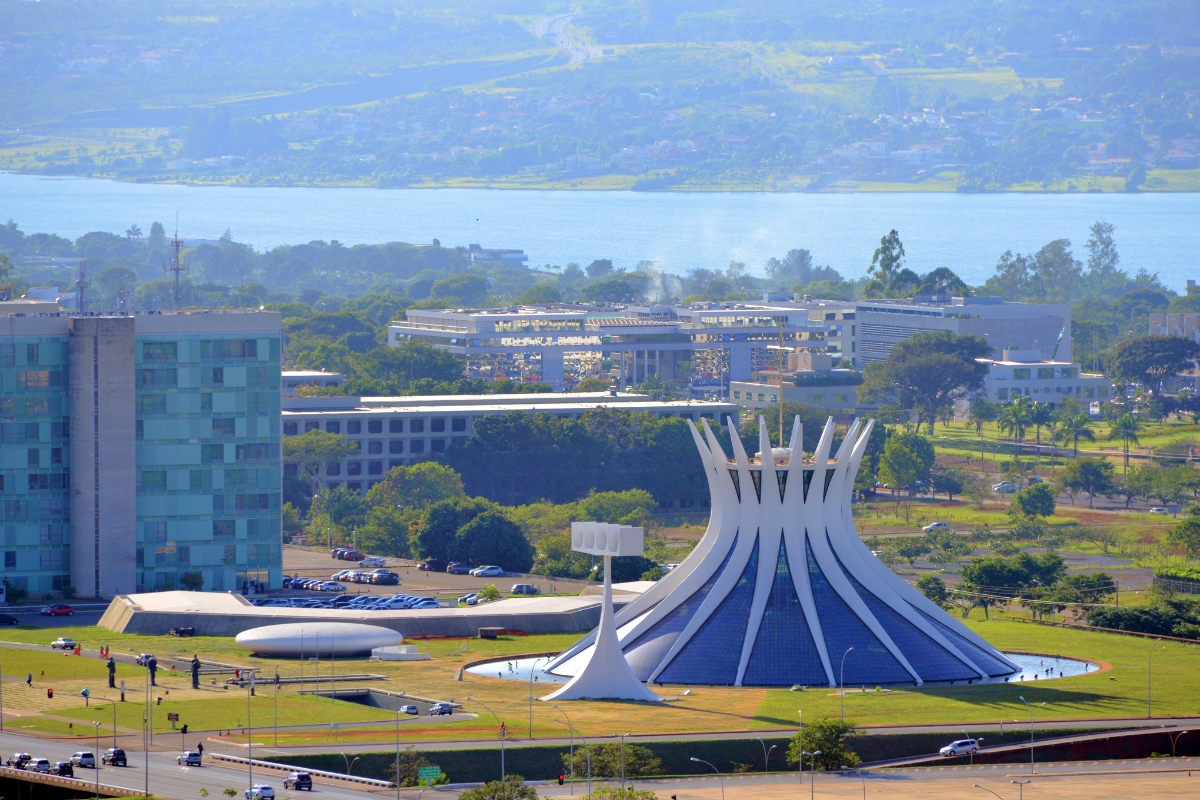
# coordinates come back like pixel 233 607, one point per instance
pixel 1005 487
pixel 960 748
pixel 488 572
pixel 260 791
pixel 331 586
pixel 410 709
pixel 936 526
pixel 41 765
pixel 84 758
pixel 1158 510
pixel 63 643
pixel 372 561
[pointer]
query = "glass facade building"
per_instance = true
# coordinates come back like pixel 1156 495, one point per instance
pixel 138 449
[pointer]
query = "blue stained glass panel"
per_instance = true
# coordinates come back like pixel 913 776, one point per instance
pixel 712 655
pixel 870 662
pixel 927 657
pixel 646 651
pixel 784 652
pixel 983 659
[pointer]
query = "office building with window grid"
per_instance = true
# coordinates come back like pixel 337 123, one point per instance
pixel 781 591
pixel 139 448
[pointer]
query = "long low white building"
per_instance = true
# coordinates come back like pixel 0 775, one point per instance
pixel 395 431
pixel 1025 372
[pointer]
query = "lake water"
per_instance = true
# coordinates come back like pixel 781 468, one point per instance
pixel 1033 668
pixel 682 231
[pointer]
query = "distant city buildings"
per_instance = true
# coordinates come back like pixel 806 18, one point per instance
pixel 1026 372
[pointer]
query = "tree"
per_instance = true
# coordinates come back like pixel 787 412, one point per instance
pixel 492 538
pixel 910 548
pixel 1125 428
pixel 592 384
pixel 192 580
pixel 1040 416
pixel 510 787
pixel 907 458
pixel 1036 501
pixel 1186 535
pixel 1073 427
pixel 886 263
pixel 1015 418
pixel 314 451
pixel 979 413
pixel 1151 359
pixel 827 736
pixel 434 538
pixel 1091 475
pixel 934 588
pixel 606 761
pixel 926 373
pixel 599 268
pixel 490 593
pixel 946 480
pixel 418 486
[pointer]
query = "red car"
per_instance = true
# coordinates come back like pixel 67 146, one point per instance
pixel 351 555
pixel 58 610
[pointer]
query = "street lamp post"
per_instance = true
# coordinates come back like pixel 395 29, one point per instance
pixel 800 735
pixel 1026 702
pixel 349 764
pixel 812 763
pixel 94 764
pixel 502 732
pixel 587 748
pixel 858 772
pixel 714 769
pixel 1022 784
pixel 842 682
pixel 1175 738
pixel 622 735
pixel 1149 666
pixel 275 702
pixel 766 754
pixel 397 749
pixel 989 791
pixel 249 734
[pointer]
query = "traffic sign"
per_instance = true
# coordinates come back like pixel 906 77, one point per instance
pixel 430 774
pixel 172 717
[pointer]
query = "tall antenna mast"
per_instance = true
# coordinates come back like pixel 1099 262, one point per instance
pixel 81 285
pixel 175 267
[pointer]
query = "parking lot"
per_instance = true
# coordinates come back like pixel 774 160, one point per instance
pixel 312 563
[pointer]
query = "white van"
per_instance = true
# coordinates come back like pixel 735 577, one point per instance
pixel 372 561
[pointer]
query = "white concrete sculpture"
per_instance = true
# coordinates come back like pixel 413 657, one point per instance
pixel 781 591
pixel 607 675
pixel 317 639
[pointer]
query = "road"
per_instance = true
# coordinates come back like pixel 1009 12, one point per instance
pixel 559 28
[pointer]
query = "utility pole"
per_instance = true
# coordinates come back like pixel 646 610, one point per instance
pixel 81 285
pixel 175 267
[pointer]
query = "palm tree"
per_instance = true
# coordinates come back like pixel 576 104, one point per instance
pixel 1073 427
pixel 1040 414
pixel 1125 428
pixel 1015 419
pixel 981 412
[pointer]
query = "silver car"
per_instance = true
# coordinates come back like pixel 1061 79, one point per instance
pixel 84 758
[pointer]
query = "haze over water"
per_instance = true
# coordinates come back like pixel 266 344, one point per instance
pixel 682 231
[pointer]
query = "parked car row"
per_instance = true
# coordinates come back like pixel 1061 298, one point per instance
pixel 461 568
pixel 346 554
pixel 379 577
pixel 361 602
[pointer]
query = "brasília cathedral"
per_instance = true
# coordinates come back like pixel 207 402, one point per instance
pixel 781 591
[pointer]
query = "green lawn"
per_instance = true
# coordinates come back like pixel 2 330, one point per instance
pixel 50 666
pixel 1119 692
pixel 230 712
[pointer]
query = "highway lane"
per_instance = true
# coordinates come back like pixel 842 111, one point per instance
pixel 168 778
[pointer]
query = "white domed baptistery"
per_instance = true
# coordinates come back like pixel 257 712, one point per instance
pixel 317 639
pixel 782 591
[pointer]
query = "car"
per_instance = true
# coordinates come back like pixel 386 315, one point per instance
pixel 332 586
pixel 299 781
pixel 143 659
pixel 424 603
pixel 189 758
pixel 1034 479
pixel 384 578
pixel 63 769
pixel 58 610
pixel 960 747
pixel 372 561
pixel 524 588
pixel 84 758
pixel 410 709
pixel 1158 510
pixel 63 643
pixel 338 551
pixel 18 760
pixel 936 526
pixel 340 574
pixel 41 765
pixel 352 555
pixel 9 619
pixel 287 582
pixel 468 599
pixel 488 571
pixel 260 791
pixel 458 568
pixel 440 709
pixel 433 565
pixel 1005 487
pixel 114 756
